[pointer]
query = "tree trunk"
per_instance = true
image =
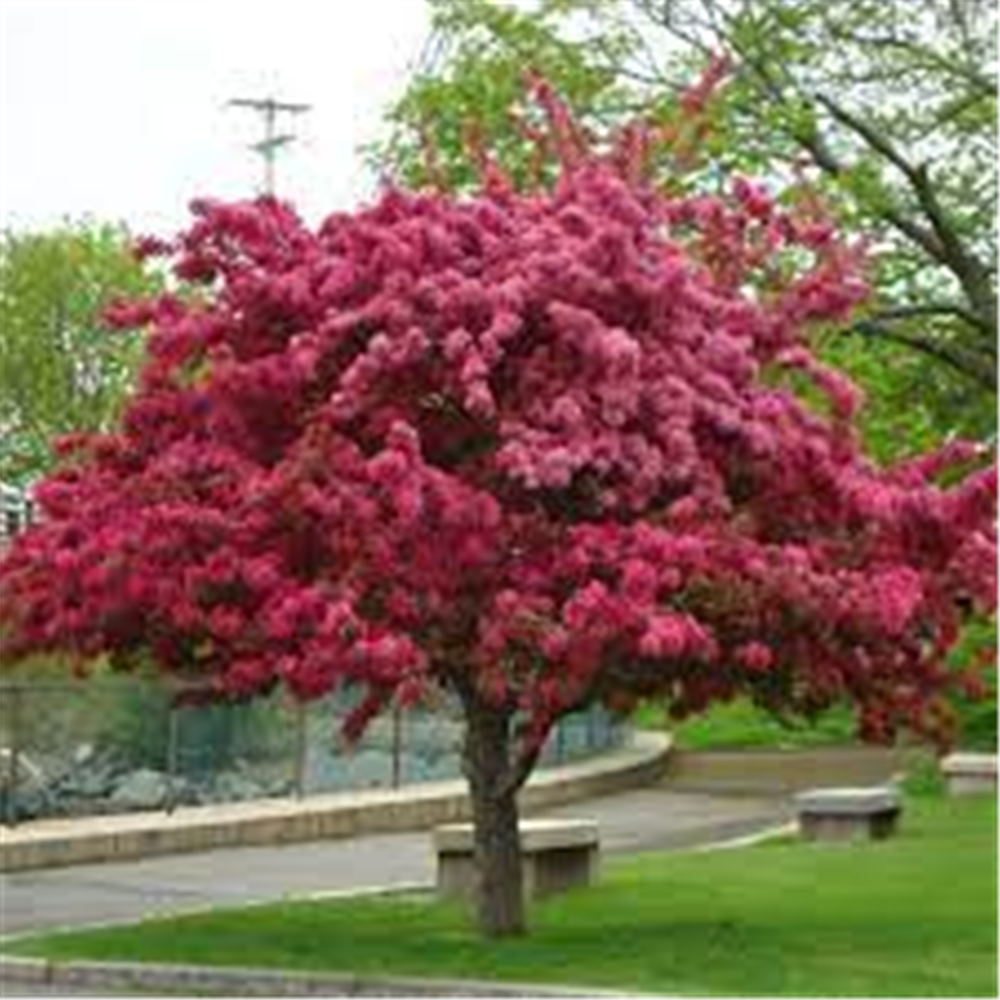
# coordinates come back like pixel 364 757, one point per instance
pixel 499 892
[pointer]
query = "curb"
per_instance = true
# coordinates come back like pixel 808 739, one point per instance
pixel 188 979
pixel 58 843
pixel 748 840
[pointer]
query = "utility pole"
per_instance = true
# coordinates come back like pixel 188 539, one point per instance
pixel 267 148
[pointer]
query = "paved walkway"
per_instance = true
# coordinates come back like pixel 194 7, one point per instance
pixel 646 819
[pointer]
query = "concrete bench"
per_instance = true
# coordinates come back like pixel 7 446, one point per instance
pixel 558 854
pixel 848 813
pixel 970 773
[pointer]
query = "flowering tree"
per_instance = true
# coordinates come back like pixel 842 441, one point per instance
pixel 538 450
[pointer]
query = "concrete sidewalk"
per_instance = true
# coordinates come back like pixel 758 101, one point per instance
pixel 651 818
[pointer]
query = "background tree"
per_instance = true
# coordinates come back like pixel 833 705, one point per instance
pixel 532 451
pixel 62 371
pixel 888 107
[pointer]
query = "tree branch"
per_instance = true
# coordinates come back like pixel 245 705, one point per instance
pixel 955 309
pixel 522 767
pixel 983 374
pixel 947 247
pixel 927 226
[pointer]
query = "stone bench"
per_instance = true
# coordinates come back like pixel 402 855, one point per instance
pixel 848 813
pixel 970 773
pixel 558 854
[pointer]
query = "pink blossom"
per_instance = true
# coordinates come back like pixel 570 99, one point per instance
pixel 529 446
pixel 755 657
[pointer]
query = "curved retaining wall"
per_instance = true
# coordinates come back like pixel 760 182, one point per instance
pixel 55 843
pixel 776 772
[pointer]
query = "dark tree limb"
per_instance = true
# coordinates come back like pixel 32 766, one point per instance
pixel 977 369
pixel 947 245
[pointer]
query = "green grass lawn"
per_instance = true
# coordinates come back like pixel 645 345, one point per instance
pixel 741 725
pixel 915 916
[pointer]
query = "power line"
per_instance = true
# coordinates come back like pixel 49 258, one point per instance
pixel 267 147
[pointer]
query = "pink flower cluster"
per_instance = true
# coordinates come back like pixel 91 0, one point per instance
pixel 535 446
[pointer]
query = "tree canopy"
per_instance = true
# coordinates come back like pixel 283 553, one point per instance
pixel 889 107
pixel 62 371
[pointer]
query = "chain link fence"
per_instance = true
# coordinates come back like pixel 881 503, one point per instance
pixel 118 745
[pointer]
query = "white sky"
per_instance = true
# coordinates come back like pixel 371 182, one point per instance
pixel 115 108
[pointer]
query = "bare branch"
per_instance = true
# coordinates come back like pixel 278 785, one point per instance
pixel 955 309
pixel 923 59
pixel 948 247
pixel 873 137
pixel 521 769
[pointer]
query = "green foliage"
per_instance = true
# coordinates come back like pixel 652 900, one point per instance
pixel 925 780
pixel 209 738
pixel 134 722
pixel 130 715
pixel 914 916
pixel 911 405
pixel 62 370
pixel 977 717
pixel 484 50
pixel 741 725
